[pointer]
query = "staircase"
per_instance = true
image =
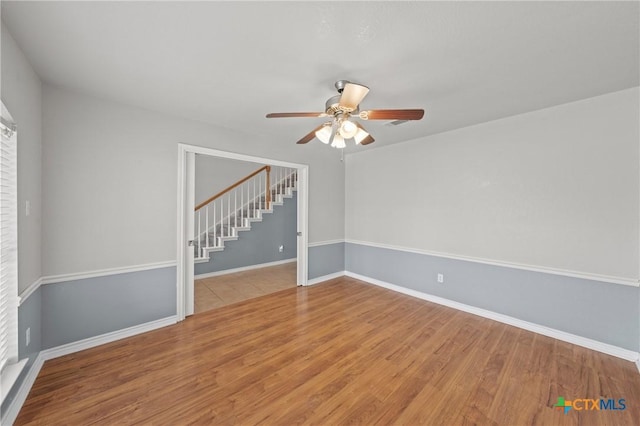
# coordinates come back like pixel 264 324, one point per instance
pixel 226 214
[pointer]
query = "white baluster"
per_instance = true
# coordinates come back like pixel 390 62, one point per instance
pixel 221 217
pixel 242 206
pixel 229 214
pixel 213 207
pixel 235 207
pixel 198 239
pixel 206 225
pixel 254 198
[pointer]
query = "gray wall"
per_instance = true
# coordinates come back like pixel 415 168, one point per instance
pixel 29 316
pixel 22 94
pixel 600 311
pixel 260 244
pixel 76 310
pixel 556 188
pixel 326 259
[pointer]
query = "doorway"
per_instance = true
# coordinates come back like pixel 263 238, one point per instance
pixel 185 225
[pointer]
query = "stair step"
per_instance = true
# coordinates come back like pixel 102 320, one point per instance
pixel 251 212
pixel 215 248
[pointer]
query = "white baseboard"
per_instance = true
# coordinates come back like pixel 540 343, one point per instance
pixel 245 268
pixel 13 410
pixel 326 278
pixel 91 342
pixel 536 328
pixel 638 365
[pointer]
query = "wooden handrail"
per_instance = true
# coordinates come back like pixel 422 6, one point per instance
pixel 240 182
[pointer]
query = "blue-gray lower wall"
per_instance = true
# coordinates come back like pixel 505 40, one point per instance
pixel 325 259
pixel 29 316
pixel 596 310
pixel 261 243
pixel 76 310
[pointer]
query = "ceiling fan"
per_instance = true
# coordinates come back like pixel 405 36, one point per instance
pixel 342 108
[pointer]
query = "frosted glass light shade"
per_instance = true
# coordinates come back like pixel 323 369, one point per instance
pixel 324 134
pixel 338 142
pixel 348 129
pixel 360 135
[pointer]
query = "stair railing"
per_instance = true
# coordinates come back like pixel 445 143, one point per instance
pixel 219 217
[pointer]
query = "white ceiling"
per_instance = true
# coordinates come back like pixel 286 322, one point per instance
pixel 230 63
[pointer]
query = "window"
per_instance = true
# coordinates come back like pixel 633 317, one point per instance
pixel 9 367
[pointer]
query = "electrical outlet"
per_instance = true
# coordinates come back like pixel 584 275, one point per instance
pixel 28 336
pixel 441 278
pixel 281 249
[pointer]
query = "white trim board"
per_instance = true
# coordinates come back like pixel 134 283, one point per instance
pixel 184 280
pixel 325 243
pixel 47 354
pixel 52 279
pixel 595 345
pixel 326 278
pixel 10 375
pixel 29 291
pixel 245 268
pixel 102 339
pixel 10 416
pixel 632 282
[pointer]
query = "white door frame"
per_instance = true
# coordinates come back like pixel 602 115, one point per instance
pixel 186 190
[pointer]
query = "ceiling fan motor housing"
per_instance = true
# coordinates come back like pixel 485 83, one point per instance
pixel 340 85
pixel 332 107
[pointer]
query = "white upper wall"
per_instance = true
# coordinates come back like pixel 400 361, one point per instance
pixel 556 188
pixel 110 181
pixel 213 174
pixel 21 92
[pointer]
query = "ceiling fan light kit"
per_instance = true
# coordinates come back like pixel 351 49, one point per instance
pixel 341 108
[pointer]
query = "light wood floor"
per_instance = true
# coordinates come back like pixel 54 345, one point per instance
pixel 223 290
pixel 342 352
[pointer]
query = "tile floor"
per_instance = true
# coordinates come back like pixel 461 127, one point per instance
pixel 214 292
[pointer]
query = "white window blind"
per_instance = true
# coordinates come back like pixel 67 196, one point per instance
pixel 8 243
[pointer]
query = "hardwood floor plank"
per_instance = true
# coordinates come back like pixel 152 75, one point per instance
pixel 341 352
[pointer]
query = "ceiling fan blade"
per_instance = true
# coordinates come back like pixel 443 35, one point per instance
pixel 310 135
pixel 366 141
pixel 352 95
pixel 295 114
pixel 392 114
